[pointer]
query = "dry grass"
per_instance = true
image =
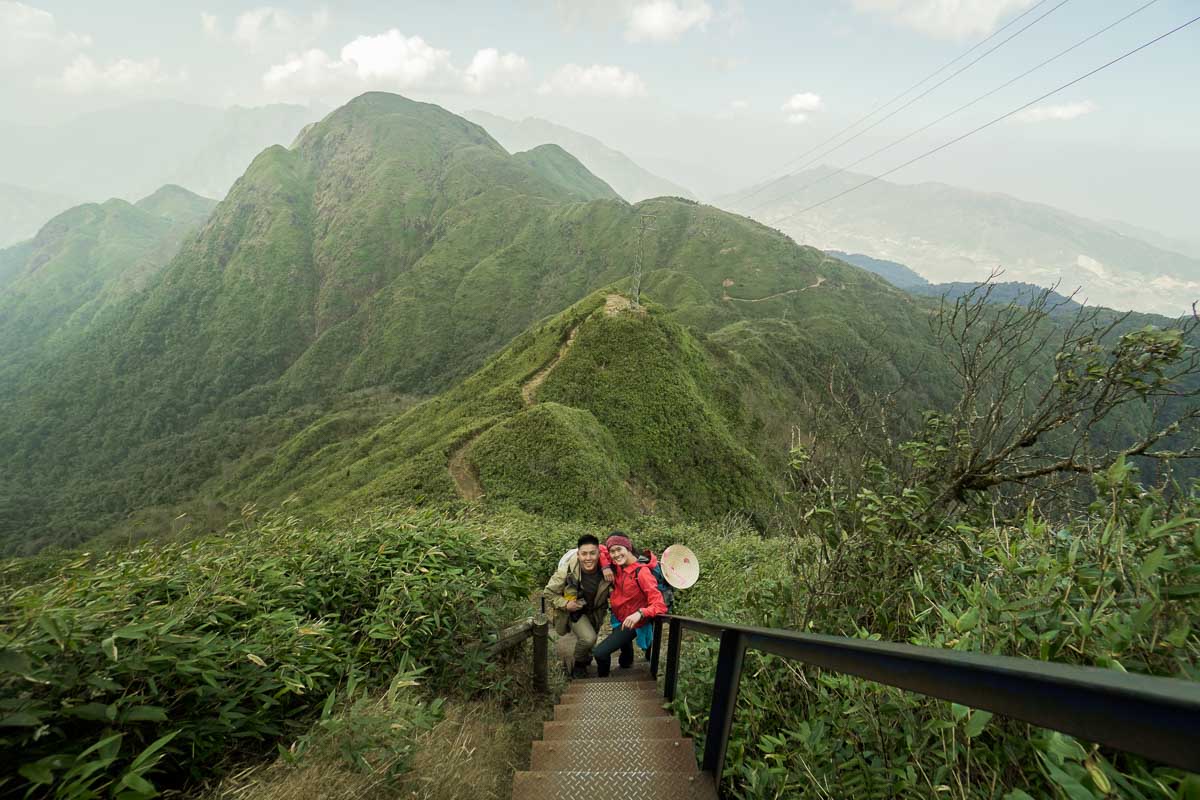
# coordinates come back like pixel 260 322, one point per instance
pixel 373 751
pixel 472 753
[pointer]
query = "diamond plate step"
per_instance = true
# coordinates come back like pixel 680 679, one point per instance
pixel 633 728
pixel 629 700
pixel 632 785
pixel 614 711
pixel 622 689
pixel 600 755
pixel 638 673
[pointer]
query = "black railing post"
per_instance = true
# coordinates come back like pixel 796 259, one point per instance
pixel 674 639
pixel 656 647
pixel 724 698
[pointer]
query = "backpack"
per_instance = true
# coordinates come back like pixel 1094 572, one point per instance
pixel 666 589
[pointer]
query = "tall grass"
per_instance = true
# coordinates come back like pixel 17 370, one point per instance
pixel 158 666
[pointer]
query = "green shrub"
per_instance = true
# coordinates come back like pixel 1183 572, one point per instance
pixel 165 663
pixel 1118 587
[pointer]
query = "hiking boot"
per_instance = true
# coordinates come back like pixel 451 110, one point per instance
pixel 580 670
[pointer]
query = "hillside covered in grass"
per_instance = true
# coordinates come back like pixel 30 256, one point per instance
pixel 394 249
pixel 83 263
pixel 357 319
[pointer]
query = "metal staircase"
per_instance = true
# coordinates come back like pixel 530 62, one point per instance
pixel 612 738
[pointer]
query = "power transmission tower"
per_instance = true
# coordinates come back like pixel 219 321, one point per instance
pixel 647 224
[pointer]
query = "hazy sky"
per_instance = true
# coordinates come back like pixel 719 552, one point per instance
pixel 719 91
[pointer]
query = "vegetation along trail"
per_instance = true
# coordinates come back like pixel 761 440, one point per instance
pixel 820 280
pixel 465 477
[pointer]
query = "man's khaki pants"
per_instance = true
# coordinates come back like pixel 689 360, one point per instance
pixel 585 638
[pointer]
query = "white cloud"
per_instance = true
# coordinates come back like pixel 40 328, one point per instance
pixel 1065 111
pixel 29 34
pixel 268 26
pixel 666 20
pixel 491 69
pixel 84 75
pixel 405 62
pixel 391 61
pixel 945 19
pixel 311 70
pixel 740 105
pixel 209 23
pixel 800 105
pixel 598 80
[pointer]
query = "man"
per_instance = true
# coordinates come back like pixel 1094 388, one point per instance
pixel 578 591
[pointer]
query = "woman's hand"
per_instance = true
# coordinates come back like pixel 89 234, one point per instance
pixel 608 574
pixel 630 622
pixel 573 605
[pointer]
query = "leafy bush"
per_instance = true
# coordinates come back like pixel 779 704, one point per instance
pixel 164 663
pixel 1118 587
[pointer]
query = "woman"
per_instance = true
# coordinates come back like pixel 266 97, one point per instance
pixel 635 600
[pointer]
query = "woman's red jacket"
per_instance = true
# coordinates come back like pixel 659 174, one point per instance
pixel 636 589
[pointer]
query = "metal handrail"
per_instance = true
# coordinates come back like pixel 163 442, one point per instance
pixel 1158 718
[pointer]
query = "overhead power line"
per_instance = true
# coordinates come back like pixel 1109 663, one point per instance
pixel 963 107
pixel 1000 118
pixel 947 65
pixel 788 165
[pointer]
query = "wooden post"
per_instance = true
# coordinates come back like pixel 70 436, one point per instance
pixel 541 638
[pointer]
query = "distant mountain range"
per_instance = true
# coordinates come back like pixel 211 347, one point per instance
pixel 83 263
pixel 133 150
pixel 952 234
pixel 631 181
pixel 1004 292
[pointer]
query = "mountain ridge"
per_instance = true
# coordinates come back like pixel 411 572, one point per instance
pixel 364 305
pixel 957 234
pixel 631 181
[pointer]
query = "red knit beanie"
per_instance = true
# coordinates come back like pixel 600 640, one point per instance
pixel 619 539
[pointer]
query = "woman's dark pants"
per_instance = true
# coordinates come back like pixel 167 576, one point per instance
pixel 620 639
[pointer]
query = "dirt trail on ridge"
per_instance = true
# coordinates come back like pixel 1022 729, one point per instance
pixel 531 386
pixel 463 474
pixel 462 471
pixel 777 294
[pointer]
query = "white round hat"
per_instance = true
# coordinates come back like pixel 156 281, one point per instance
pixel 679 566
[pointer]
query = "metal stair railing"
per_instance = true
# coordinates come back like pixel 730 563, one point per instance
pixel 1158 718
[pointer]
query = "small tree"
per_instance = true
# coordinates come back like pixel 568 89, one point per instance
pixel 1040 391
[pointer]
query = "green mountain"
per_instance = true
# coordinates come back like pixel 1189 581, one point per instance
pixel 629 179
pixel 893 272
pixel 564 170
pixel 395 248
pixel 382 313
pixel 84 263
pixel 177 204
